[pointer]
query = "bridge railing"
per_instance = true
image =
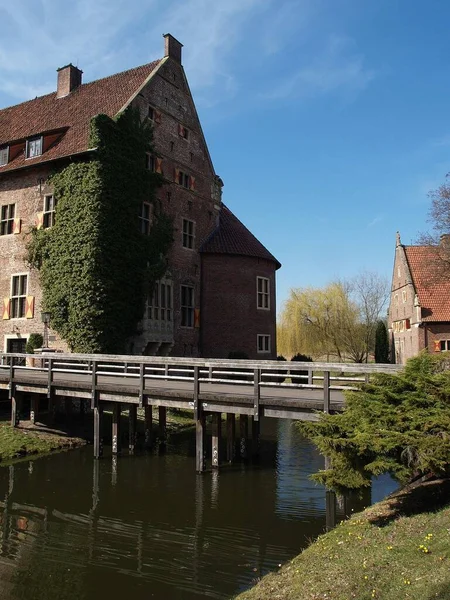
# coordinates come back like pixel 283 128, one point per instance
pixel 261 373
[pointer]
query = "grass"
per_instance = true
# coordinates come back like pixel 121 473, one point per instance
pixel 397 549
pixel 19 442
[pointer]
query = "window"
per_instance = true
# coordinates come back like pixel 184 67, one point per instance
pixel 19 284
pixel 183 131
pixel 445 345
pixel 34 147
pixel 187 306
pixel 262 293
pixel 151 113
pixel 150 162
pixel 188 234
pixel 145 218
pixel 183 179
pixel 7 219
pixel 49 211
pixel 404 296
pixel 396 299
pixel 263 343
pixel 159 307
pixel 4 156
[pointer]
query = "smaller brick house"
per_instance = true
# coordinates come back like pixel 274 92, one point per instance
pixel 419 309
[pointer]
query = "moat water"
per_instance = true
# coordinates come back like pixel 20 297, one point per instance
pixel 148 526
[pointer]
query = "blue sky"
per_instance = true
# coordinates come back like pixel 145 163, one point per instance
pixel 328 120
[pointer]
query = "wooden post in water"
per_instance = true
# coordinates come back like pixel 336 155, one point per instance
pixel 255 437
pixel 116 441
pixel 132 416
pixel 16 405
pixel 34 408
pixel 243 431
pixel 162 414
pixel 216 439
pixel 98 420
pixel 231 437
pixel 148 426
pixel 200 425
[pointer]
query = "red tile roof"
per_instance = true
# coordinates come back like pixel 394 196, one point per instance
pixel 72 112
pixel 232 237
pixel 431 281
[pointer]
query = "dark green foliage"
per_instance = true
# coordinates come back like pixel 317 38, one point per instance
pixel 300 358
pixel 396 424
pixel 381 343
pixel 96 267
pixel 34 341
pixel 280 375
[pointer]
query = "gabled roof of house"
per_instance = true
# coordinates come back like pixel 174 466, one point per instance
pixel 232 237
pixel 431 281
pixel 70 114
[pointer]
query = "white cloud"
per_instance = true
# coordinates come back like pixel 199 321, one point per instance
pixel 375 221
pixel 336 68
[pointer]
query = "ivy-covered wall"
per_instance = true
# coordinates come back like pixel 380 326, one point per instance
pixel 96 268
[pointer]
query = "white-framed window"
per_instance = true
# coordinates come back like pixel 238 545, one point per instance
pixel 263 293
pixel 404 296
pixel 34 147
pixel 183 179
pixel 187 306
pixel 263 343
pixel 4 155
pixel 188 234
pixel 8 212
pixel 49 211
pixel 445 345
pixel 159 306
pixel 19 288
pixel 399 272
pixel 396 299
pixel 146 218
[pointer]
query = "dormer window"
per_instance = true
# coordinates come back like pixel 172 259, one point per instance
pixel 4 155
pixel 34 147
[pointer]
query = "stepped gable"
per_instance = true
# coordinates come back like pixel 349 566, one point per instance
pixel 431 282
pixel 69 115
pixel 232 237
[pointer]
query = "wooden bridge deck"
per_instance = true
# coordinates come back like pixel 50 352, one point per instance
pixel 253 389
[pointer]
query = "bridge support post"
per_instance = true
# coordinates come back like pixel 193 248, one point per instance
pixel 243 430
pixel 132 418
pixel 231 437
pixel 255 437
pixel 98 421
pixel 200 434
pixel 16 405
pixel 116 415
pixel 162 414
pixel 148 426
pixel 216 439
pixel 34 408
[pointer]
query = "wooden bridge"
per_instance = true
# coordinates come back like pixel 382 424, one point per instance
pixel 250 389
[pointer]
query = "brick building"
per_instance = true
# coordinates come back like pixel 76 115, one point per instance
pixel 218 294
pixel 419 309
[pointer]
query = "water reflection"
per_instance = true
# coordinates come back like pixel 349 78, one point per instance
pixel 150 527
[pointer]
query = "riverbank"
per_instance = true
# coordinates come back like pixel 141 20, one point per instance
pixel 28 439
pixel 396 549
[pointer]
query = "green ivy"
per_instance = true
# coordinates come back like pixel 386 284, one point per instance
pixel 96 268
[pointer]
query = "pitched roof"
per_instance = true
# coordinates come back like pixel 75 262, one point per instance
pixel 71 113
pixel 232 237
pixel 431 281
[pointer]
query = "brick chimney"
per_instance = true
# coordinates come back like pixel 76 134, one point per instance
pixel 172 47
pixel 69 78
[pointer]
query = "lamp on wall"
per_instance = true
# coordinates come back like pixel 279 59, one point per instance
pixel 45 318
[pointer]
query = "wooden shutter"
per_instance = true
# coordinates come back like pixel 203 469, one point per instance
pixel 407 324
pixel 158 165
pixel 437 345
pixel 17 226
pixel 29 307
pixel 39 220
pixel 181 130
pixel 6 308
pixel 192 183
pixel 157 117
pixel 196 317
pixel 177 175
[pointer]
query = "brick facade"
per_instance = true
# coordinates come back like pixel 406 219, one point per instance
pixel 192 197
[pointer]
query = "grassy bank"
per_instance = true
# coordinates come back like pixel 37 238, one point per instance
pixel 16 443
pixel 397 549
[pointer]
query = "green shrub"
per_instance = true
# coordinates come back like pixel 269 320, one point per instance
pixel 300 358
pixel 34 341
